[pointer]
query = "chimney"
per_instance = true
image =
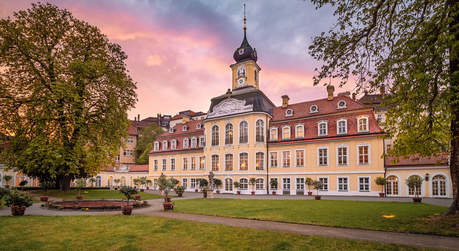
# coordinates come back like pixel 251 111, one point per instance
pixel 330 90
pixel 285 99
pixel 353 95
pixel 382 89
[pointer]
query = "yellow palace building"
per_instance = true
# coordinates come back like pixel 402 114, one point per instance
pixel 336 140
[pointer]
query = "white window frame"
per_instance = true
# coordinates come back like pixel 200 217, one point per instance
pixel 185 183
pixel 184 128
pixel 186 143
pixel 155 165
pixel 215 135
pixel 202 141
pixel 277 159
pixel 318 155
pixel 217 163
pixel 193 163
pixel 342 106
pixel 262 131
pixel 199 163
pixel 296 157
pixel 173 144
pixel 185 163
pixel 327 183
pixel 277 186
pixel 240 132
pixel 263 161
pixel 311 109
pixel 164 164
pixel 130 140
pixel 289 113
pixel 194 142
pixel 289 132
pixel 367 123
pixel 232 161
pixel 257 184
pixel 242 185
pixel 271 133
pixel 283 159
pixel 338 184
pixel 156 146
pixel 297 126
pixel 232 134
pixel 173 167
pixel 164 145
pixel 326 128
pixel 239 161
pixel 337 154
pixel 358 154
pixel 369 183
pixel 289 183
pixel 338 127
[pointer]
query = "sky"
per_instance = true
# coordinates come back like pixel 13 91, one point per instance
pixel 179 51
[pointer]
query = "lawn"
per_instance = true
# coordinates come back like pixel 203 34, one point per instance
pixel 92 194
pixel 407 217
pixel 151 233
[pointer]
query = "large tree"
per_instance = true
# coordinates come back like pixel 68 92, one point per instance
pixel 64 94
pixel 411 47
pixel 145 142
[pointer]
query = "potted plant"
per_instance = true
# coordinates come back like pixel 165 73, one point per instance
pixel 309 183
pixel 80 183
pixel 165 186
pixel 179 190
pixel 22 184
pixel 92 180
pixel 236 185
pixel 143 182
pixel 137 196
pixel 3 192
pixel 317 185
pixel 203 183
pixel 7 179
pixel 148 183
pixel 17 202
pixel 252 183
pixel 218 184
pixel 381 181
pixel 274 184
pixel 117 181
pixel 414 182
pixel 128 192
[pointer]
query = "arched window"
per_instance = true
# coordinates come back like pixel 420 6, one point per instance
pixel 286 132
pixel 215 136
pixel 156 146
pixel 243 161
pixel 416 189
pixel 259 184
pixel 273 134
pixel 439 185
pixel 185 143
pixel 260 160
pixel 173 144
pixel 229 134
pixel 98 181
pixel 228 185
pixel 243 132
pixel 260 131
pixel 243 184
pixel 165 145
pixel 392 185
pixel 194 142
pixel 123 181
pixel 299 131
pixel 110 181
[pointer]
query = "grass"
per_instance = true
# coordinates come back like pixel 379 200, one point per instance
pixel 93 194
pixel 151 233
pixel 407 217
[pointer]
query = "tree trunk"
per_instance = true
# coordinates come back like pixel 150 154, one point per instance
pixel 64 183
pixel 454 72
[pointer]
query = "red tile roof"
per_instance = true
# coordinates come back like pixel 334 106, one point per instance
pixel 179 135
pixel 132 130
pixel 131 167
pixel 416 160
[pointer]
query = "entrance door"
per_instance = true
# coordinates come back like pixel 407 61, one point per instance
pixel 286 185
pixel 300 186
pixel 228 185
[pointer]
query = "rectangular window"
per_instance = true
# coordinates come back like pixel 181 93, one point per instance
pixel 228 162
pixel 342 155
pixel 193 163
pixel 155 165
pixel 184 183
pixel 300 184
pixel 286 184
pixel 286 159
pixel 286 132
pixel 260 161
pixel 342 127
pixel 273 134
pixel 243 161
pixel 363 155
pixel 323 156
pixel 215 162
pixel 299 158
pixel 172 164
pixel 164 165
pixel 323 130
pixel 130 140
pixel 299 133
pixel 363 125
pixel 324 184
pixel 273 159
pixel 192 183
pixel 202 163
pixel 364 184
pixel 342 184
pixel 202 141
pixel 185 164
pixel 273 186
pixel 117 158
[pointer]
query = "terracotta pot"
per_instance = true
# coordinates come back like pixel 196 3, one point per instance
pixel 204 194
pixel 195 190
pixel 218 191
pixel 238 192
pixel 381 195
pixel 137 197
pixel 17 210
pixel 274 192
pixel 253 193
pixel 179 194
pixel 309 193
pixel 317 197
pixel 79 197
pixel 142 190
pixel 417 199
pixel 126 210
pixel 44 198
pixel 168 206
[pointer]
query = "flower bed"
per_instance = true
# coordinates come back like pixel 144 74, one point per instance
pixel 94 204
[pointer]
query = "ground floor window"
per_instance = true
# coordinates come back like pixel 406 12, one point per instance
pixel 392 185
pixel 439 185
pixel 299 183
pixel 286 184
pixel 364 184
pixel 417 189
pixel 273 186
pixel 244 184
pixel 259 184
pixel 192 183
pixel 184 183
pixel 228 184
pixel 324 184
pixel 342 184
pixel 98 181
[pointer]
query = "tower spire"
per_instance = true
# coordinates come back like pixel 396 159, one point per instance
pixel 245 22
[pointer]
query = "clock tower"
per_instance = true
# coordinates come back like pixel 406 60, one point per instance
pixel 246 70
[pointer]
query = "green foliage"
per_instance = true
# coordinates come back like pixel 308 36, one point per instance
pixel 236 184
pixel 3 192
pixel 203 183
pixel 179 190
pixel 128 192
pixel 65 91
pixel 414 182
pixel 117 181
pixel 309 183
pixel 218 183
pixel 136 181
pixel 7 178
pixel 274 183
pixel 165 185
pixel 92 180
pixel 23 183
pixel 14 198
pixel 317 185
pixel 381 181
pixel 145 142
pixel 406 48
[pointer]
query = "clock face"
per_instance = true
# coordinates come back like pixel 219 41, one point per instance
pixel 241 82
pixel 241 51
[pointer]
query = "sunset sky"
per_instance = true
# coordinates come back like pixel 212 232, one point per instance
pixel 180 51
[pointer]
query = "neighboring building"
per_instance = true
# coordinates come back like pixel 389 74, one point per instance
pixel 244 135
pixel 125 175
pixel 186 116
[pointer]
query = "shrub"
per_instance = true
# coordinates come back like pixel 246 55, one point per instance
pixel 128 192
pixel 15 199
pixel 179 190
pixel 381 181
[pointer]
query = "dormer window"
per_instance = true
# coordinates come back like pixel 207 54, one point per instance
pixel 165 145
pixel 342 126
pixel 362 124
pixel 299 131
pixel 173 144
pixel 289 113
pixel 186 143
pixel 198 126
pixel 194 142
pixel 322 128
pixel 171 130
pixel 341 104
pixel 156 146
pixel 185 128
pixel 202 141
pixel 313 109
pixel 286 132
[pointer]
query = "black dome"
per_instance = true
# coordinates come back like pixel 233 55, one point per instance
pixel 245 51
